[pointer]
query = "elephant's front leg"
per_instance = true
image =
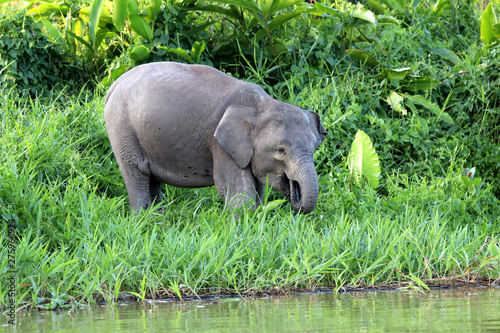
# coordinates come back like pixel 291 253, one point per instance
pixel 236 185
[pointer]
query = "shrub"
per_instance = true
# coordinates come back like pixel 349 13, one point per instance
pixel 29 61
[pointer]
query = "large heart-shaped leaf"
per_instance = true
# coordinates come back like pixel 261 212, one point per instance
pixel 363 161
pixel 487 21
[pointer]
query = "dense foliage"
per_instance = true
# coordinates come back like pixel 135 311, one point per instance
pixel 420 78
pixel 29 61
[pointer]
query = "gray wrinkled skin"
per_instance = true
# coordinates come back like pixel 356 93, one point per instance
pixel 194 126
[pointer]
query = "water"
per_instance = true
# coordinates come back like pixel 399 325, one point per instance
pixel 460 310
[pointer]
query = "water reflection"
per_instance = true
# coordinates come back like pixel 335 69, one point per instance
pixel 462 310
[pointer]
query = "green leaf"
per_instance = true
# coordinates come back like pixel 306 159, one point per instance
pixel 445 54
pixel 423 124
pixel 319 9
pixel 394 100
pixel 278 46
pixel 47 9
pixel 364 57
pixel 439 7
pixel 278 21
pixel 180 52
pixel 419 83
pixel 419 282
pixel 364 14
pixel 417 99
pixel 137 22
pixel 272 205
pixel 387 19
pixel 95 14
pixel 282 4
pixel 78 28
pixel 220 10
pixel 155 8
pixel 398 5
pixel 120 13
pixel 199 28
pixel 487 21
pixel 248 4
pixel 396 74
pixel 470 183
pixel 363 161
pixel 196 50
pixel 139 53
pixel 54 32
pixel 115 74
pixel 377 7
pixel 78 38
pixel 265 6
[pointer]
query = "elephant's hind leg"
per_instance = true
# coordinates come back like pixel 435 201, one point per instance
pixel 135 171
pixel 138 186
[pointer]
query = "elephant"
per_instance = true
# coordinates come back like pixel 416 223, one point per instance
pixel 194 126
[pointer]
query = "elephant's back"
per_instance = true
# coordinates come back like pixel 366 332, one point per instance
pixel 180 90
pixel 164 77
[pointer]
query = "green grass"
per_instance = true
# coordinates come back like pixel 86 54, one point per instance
pixel 79 242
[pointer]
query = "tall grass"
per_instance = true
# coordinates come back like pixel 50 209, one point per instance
pixel 78 240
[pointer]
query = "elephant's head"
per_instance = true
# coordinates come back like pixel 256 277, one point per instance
pixel 279 142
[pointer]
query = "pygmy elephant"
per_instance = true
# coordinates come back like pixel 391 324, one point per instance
pixel 194 126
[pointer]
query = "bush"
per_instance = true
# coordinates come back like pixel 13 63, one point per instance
pixel 29 61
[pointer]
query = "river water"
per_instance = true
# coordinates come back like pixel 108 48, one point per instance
pixel 457 310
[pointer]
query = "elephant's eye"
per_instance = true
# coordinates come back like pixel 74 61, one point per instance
pixel 280 153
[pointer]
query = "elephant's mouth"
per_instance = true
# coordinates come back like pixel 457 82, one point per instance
pixel 295 194
pixel 291 189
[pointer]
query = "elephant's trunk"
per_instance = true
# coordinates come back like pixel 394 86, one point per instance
pixel 304 188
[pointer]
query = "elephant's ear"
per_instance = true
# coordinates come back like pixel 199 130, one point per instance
pixel 316 127
pixel 234 133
